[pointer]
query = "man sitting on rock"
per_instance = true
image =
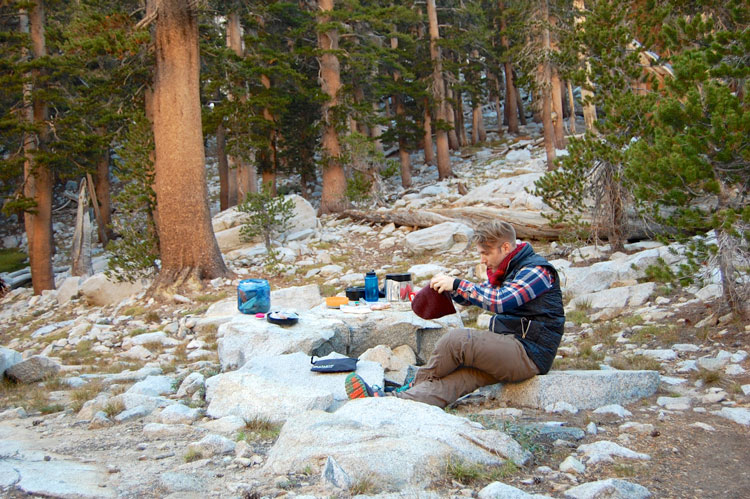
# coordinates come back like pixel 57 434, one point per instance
pixel 522 290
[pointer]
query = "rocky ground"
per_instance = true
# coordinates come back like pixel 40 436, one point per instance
pixel 127 407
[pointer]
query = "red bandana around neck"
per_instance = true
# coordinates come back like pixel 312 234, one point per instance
pixel 496 278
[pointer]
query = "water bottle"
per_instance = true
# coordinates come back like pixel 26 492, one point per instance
pixel 371 286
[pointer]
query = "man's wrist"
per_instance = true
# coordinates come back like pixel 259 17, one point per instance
pixel 456 284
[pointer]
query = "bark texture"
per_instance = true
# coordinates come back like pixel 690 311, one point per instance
pixel 572 110
pixel 454 141
pixel 243 178
pixel 186 239
pixel 557 107
pixel 478 133
pixel 438 92
pixel 376 130
pixel 519 105
pixel 510 89
pixel 270 159
pixel 544 86
pixel 495 99
pixel 38 179
pixel 101 200
pixel 333 198
pixel 429 152
pixel 403 153
pixel 221 155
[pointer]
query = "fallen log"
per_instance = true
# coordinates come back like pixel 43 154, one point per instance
pixel 528 225
pixel 410 218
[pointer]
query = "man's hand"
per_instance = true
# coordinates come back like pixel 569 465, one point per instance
pixel 441 283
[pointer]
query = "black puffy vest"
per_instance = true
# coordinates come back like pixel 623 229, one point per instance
pixel 537 324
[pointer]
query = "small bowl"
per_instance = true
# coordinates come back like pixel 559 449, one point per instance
pixel 282 318
pixel 336 301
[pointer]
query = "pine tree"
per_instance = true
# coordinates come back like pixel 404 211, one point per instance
pixel 691 171
pixel 438 91
pixel 334 179
pixel 33 105
pixel 467 43
pixel 188 247
pixel 108 63
pixel 589 186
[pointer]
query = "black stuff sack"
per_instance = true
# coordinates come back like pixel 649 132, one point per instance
pixel 343 365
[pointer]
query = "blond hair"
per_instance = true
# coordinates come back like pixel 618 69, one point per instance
pixel 494 233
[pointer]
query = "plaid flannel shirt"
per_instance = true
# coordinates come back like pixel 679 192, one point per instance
pixel 530 282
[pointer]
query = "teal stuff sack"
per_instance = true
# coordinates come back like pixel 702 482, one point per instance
pixel 253 296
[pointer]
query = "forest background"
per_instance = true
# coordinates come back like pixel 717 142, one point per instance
pixel 317 92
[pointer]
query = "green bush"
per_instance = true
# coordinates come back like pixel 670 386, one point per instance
pixel 267 216
pixel 358 187
pixel 136 250
pixel 12 259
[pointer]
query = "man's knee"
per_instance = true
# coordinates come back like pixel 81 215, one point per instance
pixel 453 337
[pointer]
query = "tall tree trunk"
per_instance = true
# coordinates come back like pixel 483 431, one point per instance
pixel 221 155
pixel 438 92
pixel 247 177
pixel 245 174
pixel 587 96
pixel 38 179
pixel 187 243
pixel 557 107
pixel 511 100
pixel 268 178
pixel 306 182
pixel 271 163
pixel 233 189
pixel 572 111
pixel 102 189
pixel 429 153
pixel 463 138
pixel 376 130
pixel 545 102
pixel 495 98
pixel 556 84
pixel 511 106
pixel 454 142
pixel 403 153
pixel 358 126
pixel 519 105
pixel 544 92
pixel 333 198
pixel 478 133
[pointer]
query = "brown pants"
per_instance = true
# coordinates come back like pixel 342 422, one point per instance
pixel 466 359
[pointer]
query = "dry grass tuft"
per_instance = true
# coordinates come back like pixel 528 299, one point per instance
pixel 80 396
pixel 636 363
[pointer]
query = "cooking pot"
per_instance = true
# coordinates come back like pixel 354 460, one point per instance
pixel 398 287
